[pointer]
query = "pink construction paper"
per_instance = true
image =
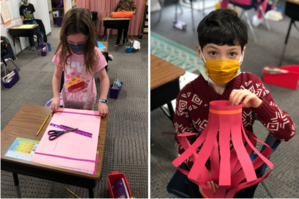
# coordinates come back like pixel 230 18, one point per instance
pixel 71 145
pixel 228 167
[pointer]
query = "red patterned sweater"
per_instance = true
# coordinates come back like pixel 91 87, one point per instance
pixel 192 109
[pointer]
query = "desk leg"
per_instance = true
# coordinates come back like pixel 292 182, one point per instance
pixel 91 194
pixel 170 112
pixel 16 181
pixel 104 34
pixel 286 41
pixel 108 34
pixel 192 16
pixel 14 43
pixel 18 38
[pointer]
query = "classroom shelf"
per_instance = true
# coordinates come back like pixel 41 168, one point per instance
pixel 56 9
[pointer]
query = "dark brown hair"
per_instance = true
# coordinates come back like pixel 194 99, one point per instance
pixel 78 20
pixel 222 27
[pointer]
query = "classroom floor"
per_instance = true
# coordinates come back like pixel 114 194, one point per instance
pixel 126 145
pixel 284 179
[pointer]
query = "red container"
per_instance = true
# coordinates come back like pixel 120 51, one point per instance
pixel 112 178
pixel 287 80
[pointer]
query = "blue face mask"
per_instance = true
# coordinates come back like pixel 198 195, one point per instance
pixel 76 48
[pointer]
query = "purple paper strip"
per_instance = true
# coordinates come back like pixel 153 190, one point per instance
pixel 65 157
pixel 77 113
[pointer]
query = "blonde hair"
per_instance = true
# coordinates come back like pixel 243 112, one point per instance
pixel 78 20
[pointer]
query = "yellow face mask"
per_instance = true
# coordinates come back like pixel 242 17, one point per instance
pixel 221 71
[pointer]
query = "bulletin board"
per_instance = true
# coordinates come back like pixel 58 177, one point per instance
pixel 5 16
pixel 13 7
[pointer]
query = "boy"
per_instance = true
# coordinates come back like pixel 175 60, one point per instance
pixel 222 38
pixel 126 5
pixel 26 12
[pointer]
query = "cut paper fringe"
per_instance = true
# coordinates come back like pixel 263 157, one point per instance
pixel 233 169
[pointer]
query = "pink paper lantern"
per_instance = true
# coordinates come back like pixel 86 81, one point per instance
pixel 228 167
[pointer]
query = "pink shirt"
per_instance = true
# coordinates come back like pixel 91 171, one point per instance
pixel 79 90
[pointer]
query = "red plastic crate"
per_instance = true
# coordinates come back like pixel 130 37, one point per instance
pixel 113 177
pixel 287 80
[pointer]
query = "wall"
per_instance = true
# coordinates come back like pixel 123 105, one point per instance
pixel 41 12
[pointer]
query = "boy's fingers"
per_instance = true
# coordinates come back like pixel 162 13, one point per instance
pixel 217 186
pixel 232 95
pixel 213 186
pixel 247 99
pixel 239 97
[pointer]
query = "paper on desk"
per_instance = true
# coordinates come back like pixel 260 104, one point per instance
pixel 101 46
pixel 71 149
pixel 136 45
pixel 26 26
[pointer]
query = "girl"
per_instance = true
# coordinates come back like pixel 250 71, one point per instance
pixel 79 57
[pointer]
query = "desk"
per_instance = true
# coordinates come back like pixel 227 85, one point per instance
pixel 16 33
pixel 105 43
pixel 115 23
pixel 25 124
pixel 291 10
pixel 164 84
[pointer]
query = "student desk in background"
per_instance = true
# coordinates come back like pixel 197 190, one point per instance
pixel 25 124
pixel 115 23
pixel 16 33
pixel 164 84
pixel 292 11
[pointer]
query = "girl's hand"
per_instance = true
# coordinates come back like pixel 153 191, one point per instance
pixel 247 98
pixel 55 104
pixel 103 109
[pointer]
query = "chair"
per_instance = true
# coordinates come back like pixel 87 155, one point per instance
pixel 178 184
pixel 245 8
pixel 6 57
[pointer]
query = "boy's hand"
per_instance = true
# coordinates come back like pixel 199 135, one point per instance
pixel 103 109
pixel 55 104
pixel 247 98
pixel 111 14
pixel 213 186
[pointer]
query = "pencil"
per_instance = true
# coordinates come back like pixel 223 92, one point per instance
pixel 42 125
pixel 72 192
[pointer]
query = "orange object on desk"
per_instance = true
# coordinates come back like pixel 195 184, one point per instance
pixel 123 14
pixel 288 78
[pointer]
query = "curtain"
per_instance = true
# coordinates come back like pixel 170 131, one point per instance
pixel 104 9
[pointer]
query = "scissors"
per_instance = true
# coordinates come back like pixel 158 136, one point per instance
pixel 55 134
